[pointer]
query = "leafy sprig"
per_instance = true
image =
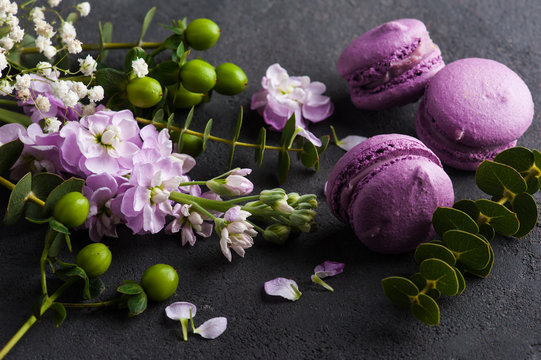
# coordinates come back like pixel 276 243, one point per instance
pixel 466 230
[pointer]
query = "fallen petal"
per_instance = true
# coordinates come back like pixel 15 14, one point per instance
pixel 329 268
pixel 283 287
pixel 212 328
pixel 349 142
pixel 180 310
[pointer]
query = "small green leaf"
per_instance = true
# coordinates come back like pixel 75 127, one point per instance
pixel 44 183
pixel 158 116
pixel 495 178
pixel 70 185
pixel 533 184
pixel 503 220
pixel 260 150
pixel 233 145
pixel 399 290
pixel 96 288
pixel 9 153
pixel 425 309
pixel 58 226
pixel 119 101
pixel 470 250
pixel 487 231
pixel 132 55
pixel 130 288
pixel 106 36
pixel 309 155
pixel 461 281
pixel 537 159
pixel 113 81
pixel 484 272
pixel 467 206
pixel 283 166
pixel 59 313
pixel 17 199
pixel 420 282
pixel 56 245
pixel 288 132
pixel 68 241
pixel 429 250
pixel 445 218
pixel 36 306
pixel 137 304
pixel 206 133
pixel 75 271
pixel 519 158
pixel 173 41
pixel 171 120
pixel 146 23
pixel 325 139
pixel 166 72
pixel 189 118
pixel 442 274
pixel 174 29
pixel 180 50
pixel 525 207
pixel 72 17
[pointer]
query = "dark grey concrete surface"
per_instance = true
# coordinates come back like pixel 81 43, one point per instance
pixel 495 318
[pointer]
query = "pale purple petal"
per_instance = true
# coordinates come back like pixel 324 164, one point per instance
pixel 206 230
pixel 349 142
pixel 317 113
pixel 241 172
pixel 276 121
pixel 259 100
pixel 10 132
pixel 224 246
pixel 283 287
pixel 212 328
pixel 180 310
pixel 232 214
pixel 329 268
pixel 187 235
pixel 238 185
pixel 309 136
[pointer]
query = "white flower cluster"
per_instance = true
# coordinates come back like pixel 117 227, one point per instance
pixel 16 34
pixel 139 67
pixel 68 36
pixel 70 92
pixel 45 32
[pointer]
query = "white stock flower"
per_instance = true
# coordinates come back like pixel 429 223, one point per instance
pixel 43 103
pixel 83 8
pixel 96 93
pixel 87 65
pixel 237 234
pixel 140 67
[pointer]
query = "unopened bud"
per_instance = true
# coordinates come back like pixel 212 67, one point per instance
pixel 277 233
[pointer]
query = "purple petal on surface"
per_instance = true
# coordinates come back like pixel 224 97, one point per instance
pixel 283 287
pixel 180 310
pixel 212 328
pixel 329 268
pixel 349 142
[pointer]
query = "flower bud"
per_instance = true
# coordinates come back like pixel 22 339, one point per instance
pixel 277 233
pixel 218 186
pixel 308 199
pixel 239 185
pixel 292 197
pixel 302 217
pixel 277 199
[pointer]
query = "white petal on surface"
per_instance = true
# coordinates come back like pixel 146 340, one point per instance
pixel 212 328
pixel 282 287
pixel 180 310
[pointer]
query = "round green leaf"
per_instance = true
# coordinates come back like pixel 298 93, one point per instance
pixel 442 274
pixel 445 218
pixel 436 241
pixel 533 184
pixel 309 155
pixel 399 290
pixel 325 139
pixel 470 250
pixel 537 159
pixel 9 153
pixel 44 183
pixel 519 158
pixel 426 309
pixel 525 207
pixel 130 288
pixel 495 178
pixel 137 304
pixel 429 250
pixel 420 282
pixel 461 281
pixel 484 272
pixel 17 199
pixel 503 220
pixel 59 313
pixel 487 232
pixel 469 207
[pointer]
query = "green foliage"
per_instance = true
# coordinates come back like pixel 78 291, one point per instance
pixel 236 135
pixel 436 251
pixel 399 290
pixel 72 271
pixel 146 23
pixel 17 199
pixel 59 313
pixel 9 153
pixel 445 219
pixel 113 81
pixel 70 185
pixel 130 288
pixel 495 178
pixel 426 310
pixel 106 36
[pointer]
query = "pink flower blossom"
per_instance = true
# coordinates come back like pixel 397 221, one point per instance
pixel 235 232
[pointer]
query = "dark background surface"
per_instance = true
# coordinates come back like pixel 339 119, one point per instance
pixel 495 318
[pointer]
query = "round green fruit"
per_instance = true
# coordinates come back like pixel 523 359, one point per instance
pixel 95 259
pixel 160 282
pixel 198 76
pixel 192 145
pixel 144 92
pixel 202 34
pixel 230 79
pixel 72 209
pixel 184 99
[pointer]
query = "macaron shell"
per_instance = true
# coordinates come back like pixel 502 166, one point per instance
pixel 392 211
pixel 478 103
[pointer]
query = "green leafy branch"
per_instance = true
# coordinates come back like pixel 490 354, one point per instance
pixel 466 230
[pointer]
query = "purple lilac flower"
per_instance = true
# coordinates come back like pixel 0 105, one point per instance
pixel 104 142
pixel 187 221
pixel 104 214
pixel 283 287
pixel 283 96
pixel 235 232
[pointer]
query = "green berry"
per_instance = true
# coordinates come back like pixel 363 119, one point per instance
pixel 192 145
pixel 72 209
pixel 160 282
pixel 202 34
pixel 95 259
pixel 144 92
pixel 198 76
pixel 184 99
pixel 230 79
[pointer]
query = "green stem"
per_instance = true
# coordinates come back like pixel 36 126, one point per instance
pixel 32 319
pixel 8 184
pixel 217 205
pixel 296 292
pixel 316 279
pixel 184 324
pixel 92 305
pixel 8 102
pixel 243 199
pixel 48 241
pixel 188 183
pixel 106 46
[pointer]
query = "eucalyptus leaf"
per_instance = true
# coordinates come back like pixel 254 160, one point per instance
pixel 44 183
pixel 445 218
pixel 519 158
pixel 309 155
pixel 130 288
pixel 70 185
pixel 137 304
pixel 17 199
pixel 495 178
pixel 399 290
pixel 146 23
pixel 9 153
pixel 525 207
pixel 96 287
pixel 113 81
pixel 56 245
pixel 533 184
pixel 288 132
pixel 429 250
pixel 425 309
pixel 260 150
pixel 442 274
pixel 503 220
pixel 484 272
pixel 537 159
pixel 283 166
pixel 461 281
pixel 487 231
pixel 206 133
pixel 106 36
pixel 470 250
pixel 420 282
pixel 236 135
pixel 325 139
pixel 132 55
pixel 59 313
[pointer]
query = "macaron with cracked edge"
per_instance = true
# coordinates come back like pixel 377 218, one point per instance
pixel 387 188
pixel 390 64
pixel 473 109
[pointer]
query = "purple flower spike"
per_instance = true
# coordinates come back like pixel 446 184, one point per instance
pixel 212 328
pixel 283 287
pixel 326 269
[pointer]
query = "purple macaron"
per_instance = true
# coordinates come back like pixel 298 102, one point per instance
pixel 387 189
pixel 473 109
pixel 390 64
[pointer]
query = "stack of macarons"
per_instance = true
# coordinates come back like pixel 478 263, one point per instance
pixel 388 187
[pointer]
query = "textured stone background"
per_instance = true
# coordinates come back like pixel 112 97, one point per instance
pixel 495 318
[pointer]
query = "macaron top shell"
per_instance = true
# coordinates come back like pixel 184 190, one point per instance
pixel 397 38
pixel 478 102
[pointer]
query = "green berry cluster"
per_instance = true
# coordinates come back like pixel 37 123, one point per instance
pixel 466 230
